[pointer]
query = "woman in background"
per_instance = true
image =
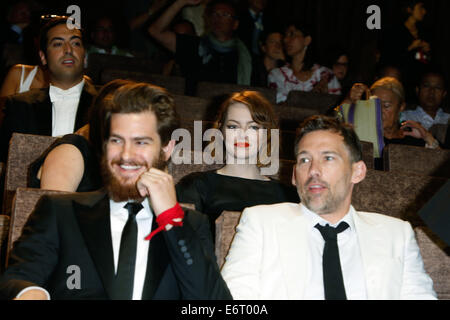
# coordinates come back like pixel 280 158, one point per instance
pixel 240 183
pixel 301 74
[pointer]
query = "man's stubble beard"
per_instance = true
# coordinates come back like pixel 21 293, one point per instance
pixel 329 204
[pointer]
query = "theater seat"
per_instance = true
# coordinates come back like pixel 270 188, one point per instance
pixel 226 225
pixel 436 259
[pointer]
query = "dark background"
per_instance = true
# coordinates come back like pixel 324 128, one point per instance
pixel 335 22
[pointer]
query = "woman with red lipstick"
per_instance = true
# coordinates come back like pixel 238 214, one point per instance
pixel 239 184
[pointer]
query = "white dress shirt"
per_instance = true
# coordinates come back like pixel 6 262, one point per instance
pixel 119 217
pixel 419 115
pixel 349 254
pixel 64 108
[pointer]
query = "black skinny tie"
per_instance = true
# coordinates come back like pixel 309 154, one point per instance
pixel 123 285
pixel 332 274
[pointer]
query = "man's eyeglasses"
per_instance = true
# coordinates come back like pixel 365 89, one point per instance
pixel 226 15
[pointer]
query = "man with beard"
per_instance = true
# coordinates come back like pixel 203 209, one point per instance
pixel 105 234
pixel 323 248
pixel 61 108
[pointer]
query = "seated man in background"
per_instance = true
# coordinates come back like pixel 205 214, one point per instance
pixel 323 248
pixel 63 107
pixel 218 56
pixel 106 234
pixel 253 21
pixel 272 57
pixel 103 38
pixel 430 93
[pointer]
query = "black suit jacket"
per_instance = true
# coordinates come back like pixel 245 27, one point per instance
pixel 247 26
pixel 31 112
pixel 74 230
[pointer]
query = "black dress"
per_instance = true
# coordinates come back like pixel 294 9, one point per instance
pixel 91 179
pixel 212 193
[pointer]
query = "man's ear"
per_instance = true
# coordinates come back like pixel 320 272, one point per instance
pixel 236 24
pixel 43 59
pixel 293 180
pixel 359 171
pixel 168 149
pixel 308 40
pixel 402 107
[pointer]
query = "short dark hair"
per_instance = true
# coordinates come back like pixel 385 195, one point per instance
pixel 210 6
pixel 137 97
pixel 345 130
pixel 434 70
pixel 49 24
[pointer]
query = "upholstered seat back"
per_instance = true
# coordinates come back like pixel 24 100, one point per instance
pixel 24 149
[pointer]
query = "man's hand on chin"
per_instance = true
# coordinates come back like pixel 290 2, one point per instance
pixel 159 187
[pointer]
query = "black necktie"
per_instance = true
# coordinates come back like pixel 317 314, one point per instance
pixel 332 274
pixel 123 284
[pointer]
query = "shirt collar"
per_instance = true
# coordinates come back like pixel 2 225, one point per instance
pixel 59 94
pixel 118 208
pixel 255 15
pixel 16 28
pixel 313 218
pixel 425 114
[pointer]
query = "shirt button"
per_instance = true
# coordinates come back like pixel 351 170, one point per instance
pixel 181 243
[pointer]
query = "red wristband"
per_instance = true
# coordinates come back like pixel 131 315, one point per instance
pixel 168 217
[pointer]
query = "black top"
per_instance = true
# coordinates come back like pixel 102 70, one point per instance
pixel 212 193
pixel 91 179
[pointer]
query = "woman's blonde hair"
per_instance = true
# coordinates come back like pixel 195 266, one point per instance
pixel 392 84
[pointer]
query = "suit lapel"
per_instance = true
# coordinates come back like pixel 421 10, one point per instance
pixel 157 262
pixel 83 105
pixel 293 247
pixel 373 252
pixel 95 225
pixel 43 114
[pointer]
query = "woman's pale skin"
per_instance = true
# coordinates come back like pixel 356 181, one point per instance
pixel 242 136
pixel 11 84
pixel 63 167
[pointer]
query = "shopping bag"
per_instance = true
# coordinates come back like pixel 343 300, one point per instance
pixel 365 116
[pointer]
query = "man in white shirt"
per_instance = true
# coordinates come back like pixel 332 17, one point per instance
pixel 280 251
pixel 63 107
pixel 431 93
pixel 104 234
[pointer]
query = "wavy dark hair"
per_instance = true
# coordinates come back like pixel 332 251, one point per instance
pixel 137 97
